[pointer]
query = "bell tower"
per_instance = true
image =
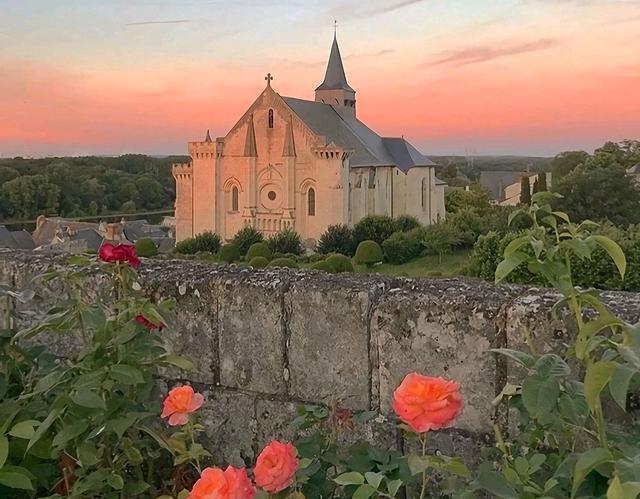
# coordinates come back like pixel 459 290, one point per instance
pixel 334 89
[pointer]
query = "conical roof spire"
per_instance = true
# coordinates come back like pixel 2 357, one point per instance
pixel 289 148
pixel 250 148
pixel 208 137
pixel 335 78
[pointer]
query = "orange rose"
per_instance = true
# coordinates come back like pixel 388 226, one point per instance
pixel 232 483
pixel 426 403
pixel 179 403
pixel 276 467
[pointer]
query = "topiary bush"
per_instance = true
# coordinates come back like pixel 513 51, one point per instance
pixel 368 253
pixel 146 247
pixel 405 223
pixel 259 262
pixel 246 237
pixel 373 228
pixel 325 266
pixel 283 262
pixel 259 249
pixel 207 241
pixel 337 239
pixel 401 247
pixel 340 263
pixel 286 241
pixel 229 253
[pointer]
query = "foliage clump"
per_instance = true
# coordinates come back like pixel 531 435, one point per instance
pixel 286 241
pixel 368 253
pixel 259 262
pixel 402 247
pixel 259 249
pixel 145 247
pixel 337 239
pixel 229 253
pixel 373 228
pixel 246 237
pixel 205 242
pixel 340 263
pixel 324 265
pixel 283 262
pixel 405 223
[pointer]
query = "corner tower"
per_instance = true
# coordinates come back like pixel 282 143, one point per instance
pixel 334 89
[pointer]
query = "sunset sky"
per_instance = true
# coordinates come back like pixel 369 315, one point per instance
pixel 453 76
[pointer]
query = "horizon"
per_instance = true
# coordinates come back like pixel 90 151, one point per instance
pixel 522 78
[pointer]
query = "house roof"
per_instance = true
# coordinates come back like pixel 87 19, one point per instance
pixel 369 149
pixel 23 239
pixel 635 169
pixel 335 78
pixel 496 181
pixel 90 237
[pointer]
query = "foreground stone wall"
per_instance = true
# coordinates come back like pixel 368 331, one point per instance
pixel 266 340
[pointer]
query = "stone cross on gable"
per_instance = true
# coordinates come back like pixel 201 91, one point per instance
pixel 269 78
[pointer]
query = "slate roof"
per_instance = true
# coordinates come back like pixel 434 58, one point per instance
pixel 369 149
pixel 496 181
pixel 335 78
pixel 89 237
pixel 15 240
pixel 635 169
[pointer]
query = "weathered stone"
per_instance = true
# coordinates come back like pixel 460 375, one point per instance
pixel 275 421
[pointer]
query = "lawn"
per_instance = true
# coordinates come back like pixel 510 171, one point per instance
pixel 427 266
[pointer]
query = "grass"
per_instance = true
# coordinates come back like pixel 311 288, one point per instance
pixel 426 266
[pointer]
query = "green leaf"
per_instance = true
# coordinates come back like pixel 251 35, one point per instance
pixel 515 245
pixel 4 449
pixel 181 362
pixel 351 478
pixel 49 381
pixel 115 481
pixel 496 484
pixel 88 454
pixel 57 408
pixel 615 252
pixel 78 260
pixel 69 432
pixel 619 490
pixel 597 376
pixel 551 364
pixel 520 357
pixel 15 480
pixel 417 464
pixel 586 462
pixel 631 355
pixel 24 429
pixel 508 265
pixel 88 398
pixel 373 479
pixel 540 394
pixel 126 374
pixel 393 486
pixel 364 492
pixel 619 385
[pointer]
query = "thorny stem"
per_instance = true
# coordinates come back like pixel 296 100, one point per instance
pixel 423 439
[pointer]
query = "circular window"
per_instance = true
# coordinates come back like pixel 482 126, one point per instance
pixel 271 195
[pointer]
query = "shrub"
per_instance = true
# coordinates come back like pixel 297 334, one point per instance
pixel 405 223
pixel 373 228
pixel 468 225
pixel 259 249
pixel 229 253
pixel 286 241
pixel 340 263
pixel 440 239
pixel 146 247
pixel 324 265
pixel 337 239
pixel 246 237
pixel 283 262
pixel 207 241
pixel 259 262
pixel 401 247
pixel 368 253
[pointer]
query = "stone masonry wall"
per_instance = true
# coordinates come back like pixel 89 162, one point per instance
pixel 265 340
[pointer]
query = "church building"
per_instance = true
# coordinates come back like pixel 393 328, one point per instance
pixel 301 164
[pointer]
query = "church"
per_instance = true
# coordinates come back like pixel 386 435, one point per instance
pixel 305 165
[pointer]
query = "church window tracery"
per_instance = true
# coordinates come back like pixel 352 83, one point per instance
pixel 270 118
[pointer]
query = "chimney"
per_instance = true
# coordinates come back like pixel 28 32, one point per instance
pixel 113 232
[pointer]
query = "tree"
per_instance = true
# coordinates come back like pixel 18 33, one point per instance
pixel 477 199
pixel 600 194
pixel 525 190
pixel 565 162
pixel 542 180
pixel 31 195
pixel 440 239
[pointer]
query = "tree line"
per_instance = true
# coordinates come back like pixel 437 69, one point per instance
pixel 85 186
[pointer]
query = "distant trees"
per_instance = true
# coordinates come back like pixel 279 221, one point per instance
pixel 477 199
pixel 565 162
pixel 30 195
pixel 525 190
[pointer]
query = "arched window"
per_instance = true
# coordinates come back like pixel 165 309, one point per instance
pixel 270 118
pixel 424 193
pixel 311 202
pixel 234 199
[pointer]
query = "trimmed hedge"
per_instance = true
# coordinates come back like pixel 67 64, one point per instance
pixel 259 262
pixel 286 241
pixel 229 253
pixel 368 253
pixel 375 228
pixel 337 239
pixel 283 262
pixel 146 248
pixel 259 249
pixel 340 263
pixel 402 247
pixel 324 265
pixel 245 238
pixel 207 241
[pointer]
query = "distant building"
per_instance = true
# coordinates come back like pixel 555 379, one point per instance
pixel 634 171
pixel 20 239
pixel 504 187
pixel 302 164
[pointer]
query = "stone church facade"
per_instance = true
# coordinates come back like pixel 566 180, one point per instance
pixel 305 165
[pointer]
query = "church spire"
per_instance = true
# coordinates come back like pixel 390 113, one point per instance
pixel 289 148
pixel 250 148
pixel 335 90
pixel 208 137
